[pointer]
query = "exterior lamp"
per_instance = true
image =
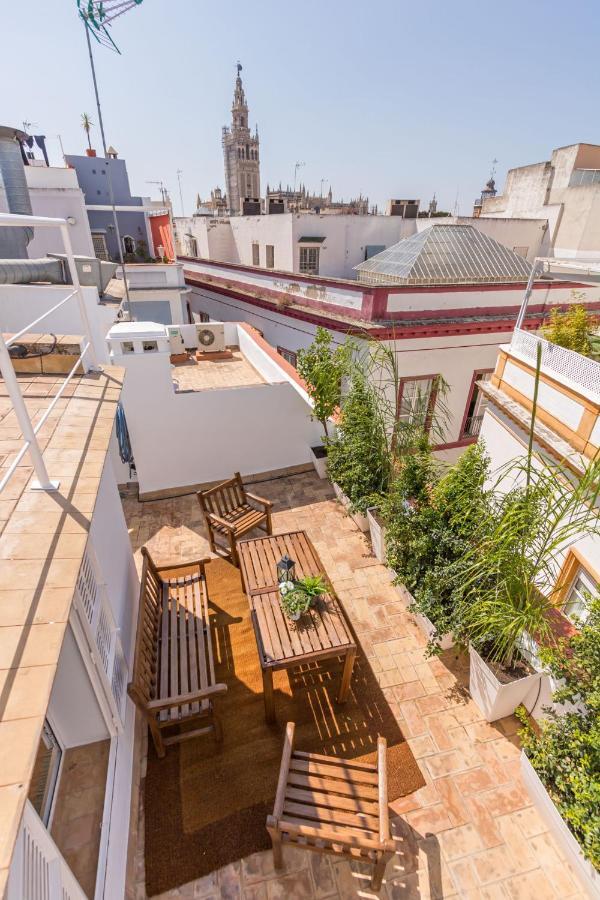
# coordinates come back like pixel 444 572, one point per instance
pixel 286 569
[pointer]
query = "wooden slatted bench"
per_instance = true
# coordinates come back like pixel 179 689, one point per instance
pixel 334 806
pixel 230 511
pixel 173 671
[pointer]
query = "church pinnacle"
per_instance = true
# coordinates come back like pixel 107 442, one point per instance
pixel 241 153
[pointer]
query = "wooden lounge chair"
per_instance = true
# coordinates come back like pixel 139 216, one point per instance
pixel 173 670
pixel 334 806
pixel 231 512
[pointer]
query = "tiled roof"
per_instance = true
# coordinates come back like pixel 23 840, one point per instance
pixel 445 254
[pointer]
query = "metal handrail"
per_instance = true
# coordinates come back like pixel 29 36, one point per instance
pixel 30 443
pixel 23 331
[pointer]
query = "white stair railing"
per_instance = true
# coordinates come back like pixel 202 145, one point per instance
pixel 38 870
pixel 94 614
pixel 30 444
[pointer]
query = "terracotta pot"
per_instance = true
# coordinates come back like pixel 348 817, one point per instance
pixel 89 152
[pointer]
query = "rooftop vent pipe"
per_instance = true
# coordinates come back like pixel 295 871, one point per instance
pixel 14 241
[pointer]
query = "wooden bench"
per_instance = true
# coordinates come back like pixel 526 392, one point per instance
pixel 173 671
pixel 334 806
pixel 228 512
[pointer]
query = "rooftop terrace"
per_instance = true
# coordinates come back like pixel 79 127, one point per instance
pixel 470 831
pixel 217 373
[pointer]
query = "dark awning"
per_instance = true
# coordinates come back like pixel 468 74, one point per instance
pixel 309 239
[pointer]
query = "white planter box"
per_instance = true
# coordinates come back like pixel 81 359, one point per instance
pixel 553 819
pixel 360 520
pixel 425 624
pixel 377 534
pixel 494 699
pixel 319 462
pixel 446 642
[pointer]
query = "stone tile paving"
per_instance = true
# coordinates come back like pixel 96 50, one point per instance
pixel 471 831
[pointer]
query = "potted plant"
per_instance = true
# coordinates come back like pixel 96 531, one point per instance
pixel 86 124
pixel 296 597
pixel 323 367
pixel 506 587
pixel 560 762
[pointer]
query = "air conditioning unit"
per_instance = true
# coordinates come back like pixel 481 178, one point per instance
pixel 176 344
pixel 211 337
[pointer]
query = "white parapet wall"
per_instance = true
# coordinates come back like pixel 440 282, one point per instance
pixel 23 303
pixel 182 439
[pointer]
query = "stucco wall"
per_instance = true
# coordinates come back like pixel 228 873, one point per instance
pixel 55 192
pixel 22 303
pixel 183 439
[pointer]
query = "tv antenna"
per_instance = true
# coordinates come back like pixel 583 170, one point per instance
pixel 97 16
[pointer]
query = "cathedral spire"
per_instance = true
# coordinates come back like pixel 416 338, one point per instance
pixel 239 98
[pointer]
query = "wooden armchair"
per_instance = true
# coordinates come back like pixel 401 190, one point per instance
pixel 229 513
pixel 332 805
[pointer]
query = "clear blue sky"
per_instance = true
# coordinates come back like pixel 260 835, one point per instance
pixel 387 97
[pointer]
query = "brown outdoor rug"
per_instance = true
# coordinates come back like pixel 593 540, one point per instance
pixel 206 807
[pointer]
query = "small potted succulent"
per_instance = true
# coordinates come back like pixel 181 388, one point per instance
pixel 296 597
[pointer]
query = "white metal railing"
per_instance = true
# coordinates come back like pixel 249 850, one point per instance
pixel 581 371
pixel 102 634
pixel 30 443
pixel 38 870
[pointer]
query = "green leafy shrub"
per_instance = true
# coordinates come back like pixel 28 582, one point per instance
pixel 571 328
pixel 432 518
pixel 463 514
pixel 410 519
pixel 323 367
pixel 506 586
pixel 566 752
pixel 357 458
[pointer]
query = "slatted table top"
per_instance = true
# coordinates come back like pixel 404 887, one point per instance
pixel 322 631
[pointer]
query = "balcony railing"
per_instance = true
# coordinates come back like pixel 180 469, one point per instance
pixel 580 371
pixel 30 443
pixel 38 871
pixel 473 426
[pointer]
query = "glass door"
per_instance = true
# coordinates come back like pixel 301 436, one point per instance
pixel 45 773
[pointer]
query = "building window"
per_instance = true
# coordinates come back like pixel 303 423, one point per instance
pixel 128 244
pixel 416 400
pixel 192 246
pixel 270 254
pixel 201 317
pixel 255 255
pixel 583 587
pixel 309 260
pixel 476 405
pixel 288 355
pixel 99 244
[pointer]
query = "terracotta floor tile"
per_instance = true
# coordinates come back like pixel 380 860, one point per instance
pixel 529 886
pixel 471 830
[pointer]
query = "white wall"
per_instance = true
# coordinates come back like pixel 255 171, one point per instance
pixel 55 192
pixel 73 708
pixel 278 329
pixel 22 303
pixel 189 438
pixel 112 547
pixel 405 301
pixel 455 357
pixel 504 443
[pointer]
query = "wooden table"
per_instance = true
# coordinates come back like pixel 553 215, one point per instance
pixel 322 632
